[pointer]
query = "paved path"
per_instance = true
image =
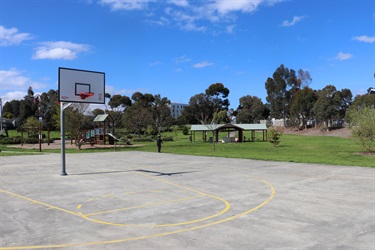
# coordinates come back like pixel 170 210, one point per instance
pixel 137 200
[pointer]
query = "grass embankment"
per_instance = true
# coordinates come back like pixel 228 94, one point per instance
pixel 293 148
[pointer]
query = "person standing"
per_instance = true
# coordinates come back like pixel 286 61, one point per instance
pixel 158 143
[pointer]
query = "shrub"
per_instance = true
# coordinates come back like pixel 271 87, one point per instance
pixel 185 130
pixel 31 140
pixel 274 136
pixel 363 128
pixel 142 139
pixel 10 140
pixel 169 138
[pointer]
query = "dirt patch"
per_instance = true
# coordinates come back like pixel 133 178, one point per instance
pixel 339 132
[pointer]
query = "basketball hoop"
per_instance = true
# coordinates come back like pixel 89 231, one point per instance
pixel 85 95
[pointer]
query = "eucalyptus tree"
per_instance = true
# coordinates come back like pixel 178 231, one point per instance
pixel 138 116
pixel 12 107
pixel 303 105
pixel 345 99
pixel 281 89
pixel 218 95
pixel 118 104
pixel 201 107
pixel 160 113
pixel 360 102
pixel 76 120
pixel 326 106
pixel 304 78
pixel 48 107
pixel 251 110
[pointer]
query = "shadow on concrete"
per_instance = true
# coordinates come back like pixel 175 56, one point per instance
pixel 161 173
pixel 109 172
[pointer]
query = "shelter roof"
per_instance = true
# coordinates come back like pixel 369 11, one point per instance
pixel 101 118
pixel 209 127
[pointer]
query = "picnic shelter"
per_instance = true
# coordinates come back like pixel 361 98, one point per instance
pixel 234 131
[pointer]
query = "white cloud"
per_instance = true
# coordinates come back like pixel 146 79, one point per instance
pixel 225 6
pixel 13 95
pixel 126 4
pixel 365 39
pixel 128 92
pixel 155 63
pixel 191 15
pixel 182 3
pixel 59 50
pixel 12 36
pixel 230 28
pixel 14 81
pixel 202 65
pixel 181 59
pixel 343 56
pixel 295 20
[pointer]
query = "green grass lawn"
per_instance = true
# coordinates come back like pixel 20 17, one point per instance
pixel 293 148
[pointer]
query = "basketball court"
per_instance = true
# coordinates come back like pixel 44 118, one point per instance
pixel 138 200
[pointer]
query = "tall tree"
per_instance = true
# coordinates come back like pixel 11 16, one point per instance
pixel 118 104
pixel 160 113
pixel 187 117
pixel 48 104
pixel 12 107
pixel 76 120
pixel 345 99
pixel 221 117
pixel 281 89
pixel 218 94
pixel 303 104
pixel 326 107
pixel 136 118
pixel 201 108
pixel 304 79
pixel 251 110
pixel 360 101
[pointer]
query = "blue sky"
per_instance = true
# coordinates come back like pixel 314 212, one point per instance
pixel 177 48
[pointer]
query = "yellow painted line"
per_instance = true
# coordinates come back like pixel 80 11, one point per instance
pixel 91 199
pixel 107 195
pixel 130 192
pixel 143 206
pixel 79 206
pixel 273 192
pixel 40 203
pixel 227 207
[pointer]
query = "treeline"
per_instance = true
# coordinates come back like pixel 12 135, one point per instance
pixel 289 97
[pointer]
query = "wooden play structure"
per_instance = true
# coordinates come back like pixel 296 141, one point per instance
pixel 102 132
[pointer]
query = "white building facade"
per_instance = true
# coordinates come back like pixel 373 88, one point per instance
pixel 176 109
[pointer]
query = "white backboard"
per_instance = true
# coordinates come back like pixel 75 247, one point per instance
pixel 74 83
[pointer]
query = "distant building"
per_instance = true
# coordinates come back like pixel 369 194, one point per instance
pixel 176 109
pixel 371 91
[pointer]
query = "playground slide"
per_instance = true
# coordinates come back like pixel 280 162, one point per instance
pixel 114 137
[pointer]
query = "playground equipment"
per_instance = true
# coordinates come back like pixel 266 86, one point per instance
pixel 102 132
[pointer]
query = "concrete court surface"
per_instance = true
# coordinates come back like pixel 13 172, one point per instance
pixel 138 200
